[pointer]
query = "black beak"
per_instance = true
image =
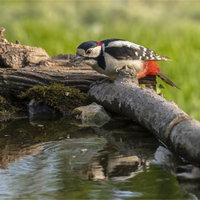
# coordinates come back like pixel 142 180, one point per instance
pixel 75 59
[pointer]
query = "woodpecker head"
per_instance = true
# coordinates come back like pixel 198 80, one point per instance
pixel 87 52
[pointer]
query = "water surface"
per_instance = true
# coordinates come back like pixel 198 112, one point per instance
pixel 60 160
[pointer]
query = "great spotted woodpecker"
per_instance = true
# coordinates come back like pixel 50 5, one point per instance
pixel 109 56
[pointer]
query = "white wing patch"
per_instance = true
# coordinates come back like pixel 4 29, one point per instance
pixel 122 43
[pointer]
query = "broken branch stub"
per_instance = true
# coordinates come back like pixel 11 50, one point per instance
pixel 152 111
pixel 17 55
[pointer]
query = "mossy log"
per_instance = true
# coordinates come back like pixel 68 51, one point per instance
pixel 163 118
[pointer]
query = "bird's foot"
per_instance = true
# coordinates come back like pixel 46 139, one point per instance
pixel 118 69
pixel 124 67
pixel 133 68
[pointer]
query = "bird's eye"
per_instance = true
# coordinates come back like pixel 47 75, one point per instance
pixel 88 51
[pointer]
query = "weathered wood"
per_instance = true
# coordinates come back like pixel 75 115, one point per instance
pixel 185 139
pixel 22 67
pixel 22 79
pixel 17 56
pixel 163 118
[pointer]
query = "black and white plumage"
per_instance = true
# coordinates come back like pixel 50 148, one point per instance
pixel 125 50
pixel 109 56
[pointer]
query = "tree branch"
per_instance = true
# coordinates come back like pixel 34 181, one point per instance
pixel 163 118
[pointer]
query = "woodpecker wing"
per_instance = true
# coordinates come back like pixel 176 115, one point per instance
pixel 125 50
pixel 109 42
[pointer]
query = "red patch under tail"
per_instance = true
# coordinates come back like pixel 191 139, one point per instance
pixel 152 68
pixel 149 68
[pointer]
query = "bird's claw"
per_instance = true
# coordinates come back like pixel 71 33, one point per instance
pixel 125 67
pixel 117 70
pixel 120 68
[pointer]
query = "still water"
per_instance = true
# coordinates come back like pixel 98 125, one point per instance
pixel 59 160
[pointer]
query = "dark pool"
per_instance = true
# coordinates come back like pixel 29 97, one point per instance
pixel 57 159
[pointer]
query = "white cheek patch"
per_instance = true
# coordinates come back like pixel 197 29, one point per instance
pixel 95 52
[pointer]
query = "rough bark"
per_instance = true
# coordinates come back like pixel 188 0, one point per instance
pixel 22 67
pixel 20 80
pixel 185 139
pixel 16 55
pixel 163 118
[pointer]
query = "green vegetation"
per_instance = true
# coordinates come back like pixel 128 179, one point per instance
pixel 61 97
pixel 171 28
pixel 7 111
pixel 4 105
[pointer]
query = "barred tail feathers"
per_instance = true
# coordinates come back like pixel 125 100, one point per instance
pixel 165 79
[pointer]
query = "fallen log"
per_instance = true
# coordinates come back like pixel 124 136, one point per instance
pixel 19 80
pixel 163 118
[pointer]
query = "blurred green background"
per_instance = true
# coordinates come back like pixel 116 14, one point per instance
pixel 171 28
